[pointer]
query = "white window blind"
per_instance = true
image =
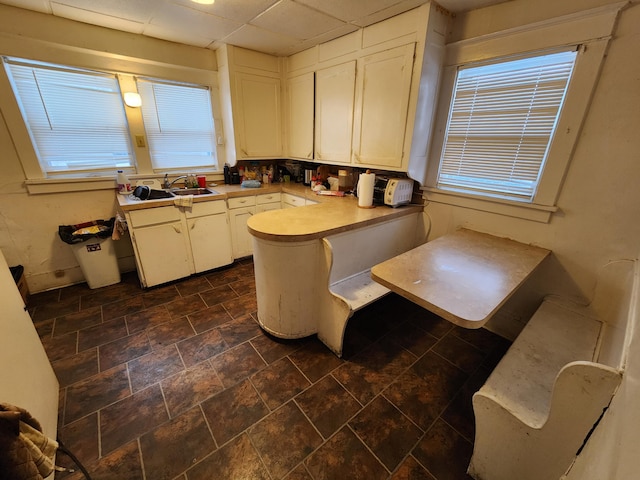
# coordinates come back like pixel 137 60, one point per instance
pixel 75 117
pixel 501 124
pixel 179 124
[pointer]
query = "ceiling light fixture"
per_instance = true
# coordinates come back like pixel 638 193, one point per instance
pixel 204 2
pixel 132 99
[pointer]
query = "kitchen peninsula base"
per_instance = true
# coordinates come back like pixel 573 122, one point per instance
pixel 312 283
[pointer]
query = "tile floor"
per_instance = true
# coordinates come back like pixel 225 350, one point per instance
pixel 179 382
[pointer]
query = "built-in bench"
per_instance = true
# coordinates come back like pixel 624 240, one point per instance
pixel 548 392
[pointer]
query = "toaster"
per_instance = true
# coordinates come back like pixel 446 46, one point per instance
pixel 392 191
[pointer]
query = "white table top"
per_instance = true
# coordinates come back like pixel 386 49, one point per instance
pixel 464 276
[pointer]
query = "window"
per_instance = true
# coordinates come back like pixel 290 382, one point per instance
pixel 501 123
pixel 178 122
pixel 75 117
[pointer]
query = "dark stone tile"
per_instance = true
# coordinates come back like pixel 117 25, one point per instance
pixel 444 452
pixel 121 308
pixel 414 339
pixel 151 317
pixel 160 295
pixel 193 285
pixel 271 348
pixel 481 338
pixel 233 411
pixel 244 286
pixel 240 330
pixel 170 332
pixel 237 364
pixel 44 328
pixel 201 347
pixel 315 360
pixel 61 347
pixel 175 446
pixel 77 367
pixel 230 275
pixel 131 417
pixel 154 367
pixel 328 405
pixel 102 333
pixel 244 305
pixel 43 298
pixel 123 463
pixel 372 370
pixel 81 438
pixel 283 439
pixel 386 431
pixel 299 473
pixel 76 321
pixel 218 295
pixel 430 322
pixel 237 460
pixel 459 414
pixel 88 396
pixel 410 469
pixel 46 310
pixel 76 291
pixel 185 305
pixel 190 387
pixel 123 350
pixel 279 382
pixel 209 318
pixel 344 456
pixel 423 392
pixel 462 354
pixel 94 298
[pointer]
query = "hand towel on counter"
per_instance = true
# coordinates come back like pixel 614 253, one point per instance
pixel 183 200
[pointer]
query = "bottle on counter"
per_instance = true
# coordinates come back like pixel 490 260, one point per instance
pixel 123 183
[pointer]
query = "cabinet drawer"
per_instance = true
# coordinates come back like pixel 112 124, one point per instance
pixel 267 198
pixel 151 216
pixel 203 209
pixel 293 200
pixel 238 202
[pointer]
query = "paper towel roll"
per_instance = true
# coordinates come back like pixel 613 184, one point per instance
pixel 365 189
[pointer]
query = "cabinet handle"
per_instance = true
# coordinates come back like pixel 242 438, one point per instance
pixel 193 225
pixel 177 228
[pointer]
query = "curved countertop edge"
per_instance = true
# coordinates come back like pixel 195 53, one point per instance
pixel 322 220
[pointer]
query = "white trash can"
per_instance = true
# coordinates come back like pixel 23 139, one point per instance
pixel 98 261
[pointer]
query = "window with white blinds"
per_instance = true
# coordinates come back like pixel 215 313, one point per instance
pixel 501 123
pixel 75 117
pixel 179 124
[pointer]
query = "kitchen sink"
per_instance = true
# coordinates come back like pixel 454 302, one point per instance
pixel 194 191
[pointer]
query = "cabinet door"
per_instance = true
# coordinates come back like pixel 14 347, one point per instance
pixel 241 239
pixel 335 88
pixel 163 253
pixel 210 242
pixel 265 207
pixel 300 108
pixel 381 112
pixel 257 123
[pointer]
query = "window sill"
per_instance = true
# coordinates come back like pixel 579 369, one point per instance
pixel 525 211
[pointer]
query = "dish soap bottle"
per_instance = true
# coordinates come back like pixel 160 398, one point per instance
pixel 124 185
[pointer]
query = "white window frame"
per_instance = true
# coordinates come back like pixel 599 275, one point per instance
pixel 126 68
pixel 589 31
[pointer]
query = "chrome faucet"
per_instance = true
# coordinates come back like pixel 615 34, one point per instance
pixel 167 184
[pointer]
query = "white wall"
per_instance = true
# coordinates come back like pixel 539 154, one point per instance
pixel 599 216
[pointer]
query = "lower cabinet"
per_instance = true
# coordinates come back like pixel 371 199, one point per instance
pixel 268 201
pixel 174 242
pixel 289 201
pixel 240 210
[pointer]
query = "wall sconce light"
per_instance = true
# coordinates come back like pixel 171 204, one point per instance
pixel 204 2
pixel 132 99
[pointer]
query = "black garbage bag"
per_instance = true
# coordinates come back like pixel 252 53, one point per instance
pixel 86 231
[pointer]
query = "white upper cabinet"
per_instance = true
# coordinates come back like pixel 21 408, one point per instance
pixel 300 109
pixel 380 117
pixel 335 97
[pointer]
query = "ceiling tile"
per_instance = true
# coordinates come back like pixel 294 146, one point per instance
pixel 96 18
pixel 389 12
pixel 178 36
pixel 35 5
pixel 134 10
pixel 349 11
pixel 295 20
pixel 237 10
pixel 325 37
pixel 255 38
pixel 190 22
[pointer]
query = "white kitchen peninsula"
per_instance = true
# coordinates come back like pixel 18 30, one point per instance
pixel 312 263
